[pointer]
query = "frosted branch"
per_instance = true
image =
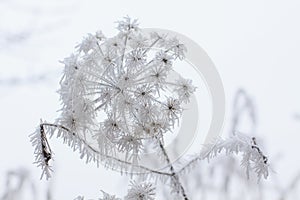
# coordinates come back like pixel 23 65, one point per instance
pixel 44 154
pixel 252 156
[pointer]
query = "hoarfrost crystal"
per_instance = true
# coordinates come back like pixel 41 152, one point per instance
pixel 121 95
pixel 114 89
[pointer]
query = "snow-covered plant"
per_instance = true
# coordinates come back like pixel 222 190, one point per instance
pixel 121 94
pixel 252 156
pixel 107 196
pixel 143 191
pixel 224 173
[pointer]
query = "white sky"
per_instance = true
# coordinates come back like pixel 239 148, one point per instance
pixel 254 44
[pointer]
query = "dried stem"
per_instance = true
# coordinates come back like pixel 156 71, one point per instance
pixel 254 146
pixel 175 176
pixel 148 170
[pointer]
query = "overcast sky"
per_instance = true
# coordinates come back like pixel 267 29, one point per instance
pixel 254 45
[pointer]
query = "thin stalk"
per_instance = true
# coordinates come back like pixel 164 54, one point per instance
pixel 96 152
pixel 175 176
pixel 124 50
pixel 151 46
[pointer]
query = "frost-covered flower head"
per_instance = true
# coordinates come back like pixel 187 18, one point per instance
pixel 141 191
pixel 107 196
pixel 119 98
pixel 119 89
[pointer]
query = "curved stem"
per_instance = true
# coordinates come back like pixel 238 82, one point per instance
pixel 103 155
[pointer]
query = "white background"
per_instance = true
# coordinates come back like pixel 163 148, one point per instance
pixel 254 45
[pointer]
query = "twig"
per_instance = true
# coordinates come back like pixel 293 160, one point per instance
pixel 106 156
pixel 174 174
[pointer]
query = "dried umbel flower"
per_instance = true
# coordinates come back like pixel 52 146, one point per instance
pixel 118 92
pixel 141 191
pixel 119 95
pixel 119 87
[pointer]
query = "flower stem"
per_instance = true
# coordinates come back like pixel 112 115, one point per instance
pixel 108 157
pixel 175 177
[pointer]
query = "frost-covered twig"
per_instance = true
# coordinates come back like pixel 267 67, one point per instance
pixel 252 156
pixel 175 178
pixel 44 154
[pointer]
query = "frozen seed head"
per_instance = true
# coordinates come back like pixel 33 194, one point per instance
pixel 117 92
pixel 140 191
pixel 125 80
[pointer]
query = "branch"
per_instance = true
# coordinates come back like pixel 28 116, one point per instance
pixel 174 174
pixel 44 154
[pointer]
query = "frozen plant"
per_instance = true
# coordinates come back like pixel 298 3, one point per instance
pixel 143 191
pixel 224 173
pixel 119 95
pixel 252 156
